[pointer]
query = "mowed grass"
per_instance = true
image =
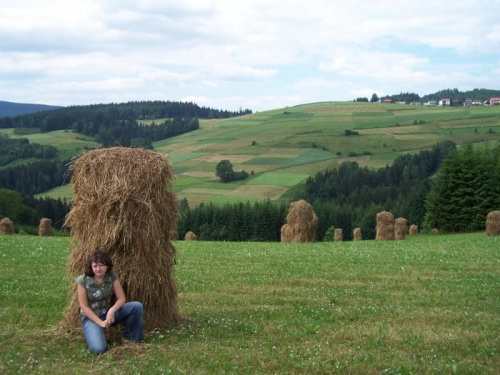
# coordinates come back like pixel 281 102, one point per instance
pixel 426 305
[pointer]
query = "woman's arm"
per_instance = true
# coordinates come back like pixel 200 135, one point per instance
pixel 120 300
pixel 87 311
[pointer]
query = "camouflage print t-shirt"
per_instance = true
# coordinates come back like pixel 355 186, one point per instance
pixel 98 295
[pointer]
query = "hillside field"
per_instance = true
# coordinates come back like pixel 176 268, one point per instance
pixel 282 147
pixel 426 305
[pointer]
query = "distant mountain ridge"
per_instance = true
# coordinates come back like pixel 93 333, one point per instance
pixel 15 109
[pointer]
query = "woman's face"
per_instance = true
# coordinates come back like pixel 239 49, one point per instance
pixel 99 269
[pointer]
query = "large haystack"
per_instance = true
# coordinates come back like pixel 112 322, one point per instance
pixel 190 236
pixel 6 226
pixel 413 229
pixel 385 226
pixel 301 223
pixel 45 227
pixel 357 235
pixel 338 236
pixel 493 223
pixel 401 228
pixel 123 204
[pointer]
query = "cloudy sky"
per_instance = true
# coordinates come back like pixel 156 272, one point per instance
pixel 257 54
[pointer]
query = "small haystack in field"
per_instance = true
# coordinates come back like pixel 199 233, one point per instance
pixel 6 226
pixel 301 223
pixel 413 229
pixel 401 228
pixel 45 227
pixel 190 236
pixel 357 235
pixel 435 231
pixel 338 236
pixel 385 226
pixel 123 204
pixel 493 223
pixel 173 235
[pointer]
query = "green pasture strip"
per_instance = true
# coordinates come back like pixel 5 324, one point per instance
pixel 184 182
pixel 19 162
pixel 216 140
pixel 426 305
pixel 186 156
pixel 278 179
pixel 311 156
pixel 220 186
pixel 433 116
pixel 372 114
pixel 63 192
pixel 374 124
pixel 265 161
pixel 231 199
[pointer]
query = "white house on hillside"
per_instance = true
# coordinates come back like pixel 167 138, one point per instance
pixel 444 102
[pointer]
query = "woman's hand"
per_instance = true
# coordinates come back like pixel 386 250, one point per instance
pixel 110 317
pixel 104 324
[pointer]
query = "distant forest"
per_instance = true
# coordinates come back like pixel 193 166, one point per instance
pixel 117 124
pixel 457 97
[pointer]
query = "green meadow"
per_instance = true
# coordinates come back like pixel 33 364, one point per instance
pixel 425 305
pixel 300 141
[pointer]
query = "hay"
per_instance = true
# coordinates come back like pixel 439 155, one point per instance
pixel 435 231
pixel 123 204
pixel 338 236
pixel 45 227
pixel 301 223
pixel 190 236
pixel 401 228
pixel 6 226
pixel 413 229
pixel 493 223
pixel 357 235
pixel 173 235
pixel 385 226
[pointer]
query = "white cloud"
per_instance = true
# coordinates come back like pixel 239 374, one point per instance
pixel 261 52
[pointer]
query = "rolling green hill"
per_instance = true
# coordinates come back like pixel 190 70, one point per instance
pixel 282 147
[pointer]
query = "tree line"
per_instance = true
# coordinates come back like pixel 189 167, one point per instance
pixel 13 149
pixel 36 177
pixel 26 211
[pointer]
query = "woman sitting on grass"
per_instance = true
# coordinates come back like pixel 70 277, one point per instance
pixel 94 291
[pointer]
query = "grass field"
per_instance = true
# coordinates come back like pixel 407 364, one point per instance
pixel 427 305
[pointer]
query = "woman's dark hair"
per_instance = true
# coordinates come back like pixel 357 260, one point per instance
pixel 98 256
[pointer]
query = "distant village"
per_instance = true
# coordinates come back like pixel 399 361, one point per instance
pixel 445 102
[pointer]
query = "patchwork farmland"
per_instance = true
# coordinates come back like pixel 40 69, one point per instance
pixel 281 148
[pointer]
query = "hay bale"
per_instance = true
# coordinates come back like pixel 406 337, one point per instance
pixel 357 235
pixel 190 236
pixel 45 227
pixel 493 223
pixel 173 235
pixel 385 226
pixel 413 229
pixel 338 236
pixel 6 226
pixel 123 204
pixel 301 223
pixel 401 228
pixel 435 231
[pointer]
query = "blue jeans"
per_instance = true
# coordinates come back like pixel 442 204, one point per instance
pixel 130 313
